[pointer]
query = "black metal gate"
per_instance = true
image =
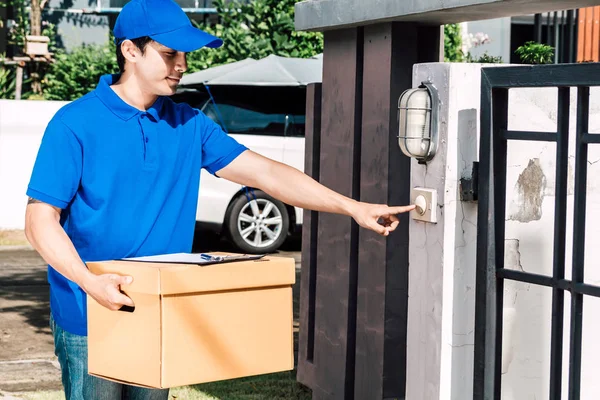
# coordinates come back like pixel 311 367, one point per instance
pixel 491 272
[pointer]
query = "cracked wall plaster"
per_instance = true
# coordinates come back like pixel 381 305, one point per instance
pixel 529 194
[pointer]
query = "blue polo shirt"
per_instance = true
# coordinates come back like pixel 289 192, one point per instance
pixel 126 180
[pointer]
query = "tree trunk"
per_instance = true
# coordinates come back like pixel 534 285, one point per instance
pixel 36 18
pixel 36 30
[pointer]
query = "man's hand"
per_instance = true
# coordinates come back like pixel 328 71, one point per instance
pixel 106 290
pixel 378 217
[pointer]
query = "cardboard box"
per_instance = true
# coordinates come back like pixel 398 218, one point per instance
pixel 193 324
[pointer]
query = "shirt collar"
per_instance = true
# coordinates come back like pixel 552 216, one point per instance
pixel 117 105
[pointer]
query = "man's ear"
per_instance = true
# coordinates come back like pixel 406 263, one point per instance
pixel 130 51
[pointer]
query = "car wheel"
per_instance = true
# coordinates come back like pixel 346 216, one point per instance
pixel 257 223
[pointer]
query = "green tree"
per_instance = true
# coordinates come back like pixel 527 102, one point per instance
pixel 76 73
pixel 28 20
pixel 255 30
pixel 453 43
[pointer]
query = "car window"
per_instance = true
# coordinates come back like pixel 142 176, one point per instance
pixel 241 118
pixel 194 98
pixel 297 126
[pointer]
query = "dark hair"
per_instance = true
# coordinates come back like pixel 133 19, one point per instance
pixel 140 43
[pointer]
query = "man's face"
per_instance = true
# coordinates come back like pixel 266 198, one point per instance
pixel 160 69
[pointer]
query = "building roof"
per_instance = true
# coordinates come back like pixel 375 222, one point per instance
pixel 321 15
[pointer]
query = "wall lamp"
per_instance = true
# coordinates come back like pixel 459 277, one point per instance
pixel 418 116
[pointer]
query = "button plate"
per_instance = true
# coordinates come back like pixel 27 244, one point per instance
pixel 429 213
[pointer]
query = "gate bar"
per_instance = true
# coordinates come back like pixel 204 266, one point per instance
pixel 581 160
pixel 529 136
pixel 560 226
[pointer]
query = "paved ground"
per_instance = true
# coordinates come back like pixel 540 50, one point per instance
pixel 27 361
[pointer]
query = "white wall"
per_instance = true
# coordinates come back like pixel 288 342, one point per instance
pixel 530 235
pixel 22 125
pixel 442 256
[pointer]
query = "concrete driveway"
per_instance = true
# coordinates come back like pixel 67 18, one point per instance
pixel 27 360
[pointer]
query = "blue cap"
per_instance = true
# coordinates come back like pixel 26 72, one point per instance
pixel 164 22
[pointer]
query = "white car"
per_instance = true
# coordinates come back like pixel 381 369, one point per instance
pixel 269 121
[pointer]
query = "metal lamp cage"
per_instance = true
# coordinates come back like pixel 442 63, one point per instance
pixel 430 128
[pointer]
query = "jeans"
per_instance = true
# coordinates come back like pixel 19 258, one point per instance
pixel 72 353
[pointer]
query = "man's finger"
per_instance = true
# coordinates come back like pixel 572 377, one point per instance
pixel 124 300
pixel 121 280
pixel 125 280
pixel 378 228
pixel 401 209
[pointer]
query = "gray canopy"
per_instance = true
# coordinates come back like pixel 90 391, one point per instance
pixel 269 71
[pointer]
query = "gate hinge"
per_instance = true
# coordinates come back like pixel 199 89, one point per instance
pixel 469 187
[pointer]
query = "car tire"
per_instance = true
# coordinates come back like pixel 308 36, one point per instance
pixel 250 229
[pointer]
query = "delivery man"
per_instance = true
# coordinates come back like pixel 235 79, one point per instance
pixel 117 175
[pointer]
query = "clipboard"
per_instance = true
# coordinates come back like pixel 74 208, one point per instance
pixel 201 259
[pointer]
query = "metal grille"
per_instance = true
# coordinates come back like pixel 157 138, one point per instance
pixel 558 29
pixel 491 273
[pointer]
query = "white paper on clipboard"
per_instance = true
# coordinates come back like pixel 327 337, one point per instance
pixel 194 258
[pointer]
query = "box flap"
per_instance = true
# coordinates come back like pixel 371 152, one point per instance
pixel 146 277
pixel 266 272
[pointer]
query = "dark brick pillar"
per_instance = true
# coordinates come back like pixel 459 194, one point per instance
pixel 354 284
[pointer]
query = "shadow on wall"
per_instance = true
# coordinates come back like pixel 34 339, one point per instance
pixel 75 21
pixel 463 319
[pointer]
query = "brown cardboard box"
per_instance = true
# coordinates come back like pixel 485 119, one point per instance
pixel 194 324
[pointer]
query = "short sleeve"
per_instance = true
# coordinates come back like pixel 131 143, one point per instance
pixel 218 148
pixel 57 170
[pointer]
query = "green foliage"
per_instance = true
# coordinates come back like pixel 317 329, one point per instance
pixel 488 59
pixel 255 30
pixel 7 83
pixel 453 43
pixel 17 32
pixel 535 53
pixel 76 73
pixel 484 59
pixel 22 27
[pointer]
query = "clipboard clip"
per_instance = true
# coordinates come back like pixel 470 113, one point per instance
pixel 208 257
pixel 219 259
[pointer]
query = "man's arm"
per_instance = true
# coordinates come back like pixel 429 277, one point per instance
pixel 48 238
pixel 297 189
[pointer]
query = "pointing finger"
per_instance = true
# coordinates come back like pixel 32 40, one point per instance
pixel 401 209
